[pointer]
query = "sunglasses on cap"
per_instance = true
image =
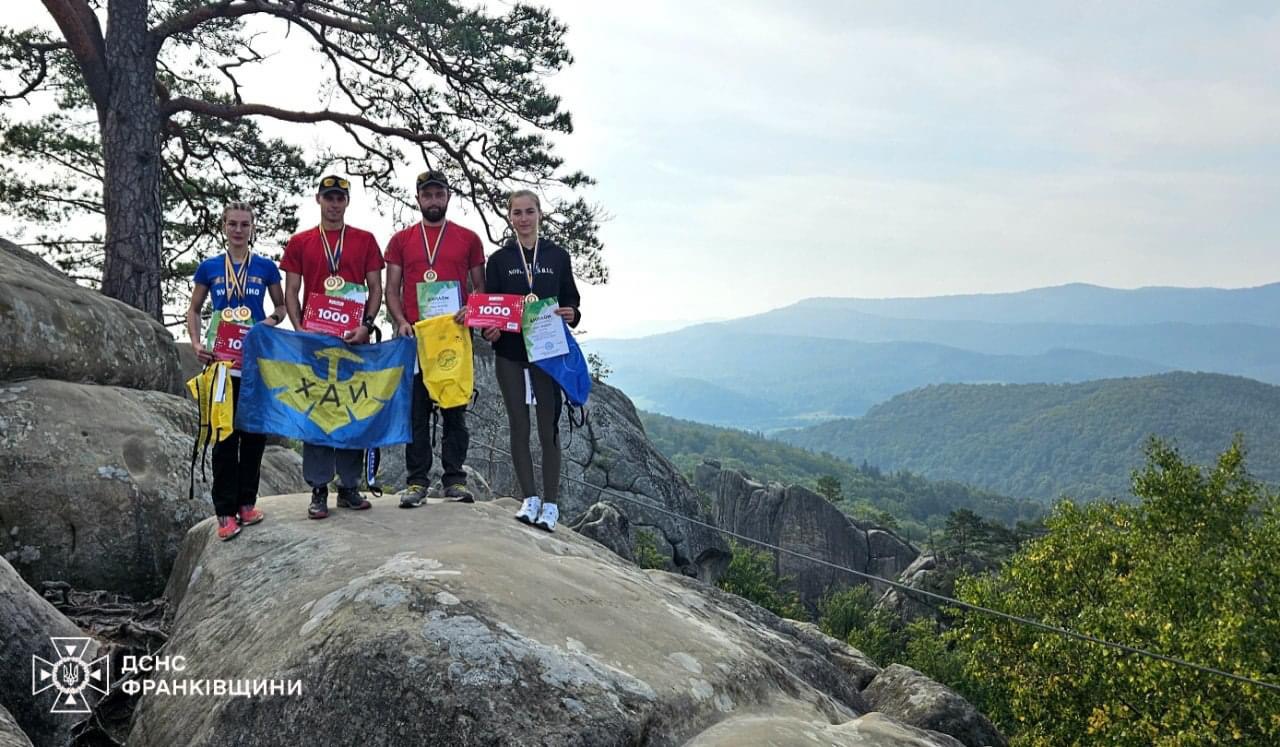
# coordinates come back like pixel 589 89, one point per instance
pixel 334 181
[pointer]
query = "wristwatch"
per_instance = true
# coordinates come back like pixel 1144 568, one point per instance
pixel 369 324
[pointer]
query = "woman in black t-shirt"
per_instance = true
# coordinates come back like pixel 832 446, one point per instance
pixel 532 267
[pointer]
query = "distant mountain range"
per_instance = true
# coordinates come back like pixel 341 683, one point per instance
pixel 1043 441
pixel 824 358
pixel 1081 303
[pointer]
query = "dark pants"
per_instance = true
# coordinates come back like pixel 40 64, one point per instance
pixel 454 441
pixel 237 466
pixel 320 462
pixel 510 375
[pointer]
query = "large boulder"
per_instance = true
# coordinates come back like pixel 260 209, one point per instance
pixel 908 695
pixel 798 519
pixel 871 729
pixel 27 622
pixel 11 735
pixel 855 665
pixel 936 574
pixel 188 363
pixel 96 483
pixel 455 625
pixel 55 329
pixel 611 451
pixel 605 524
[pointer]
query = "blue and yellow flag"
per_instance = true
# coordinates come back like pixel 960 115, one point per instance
pixel 319 390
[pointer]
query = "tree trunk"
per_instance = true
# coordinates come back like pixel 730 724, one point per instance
pixel 131 139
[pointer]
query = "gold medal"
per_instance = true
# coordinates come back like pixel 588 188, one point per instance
pixel 243 314
pixel 237 284
pixel 431 251
pixel 333 255
pixel 530 268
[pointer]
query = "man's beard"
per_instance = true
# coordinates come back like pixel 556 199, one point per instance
pixel 434 214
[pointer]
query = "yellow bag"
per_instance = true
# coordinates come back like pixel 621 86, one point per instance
pixel 444 355
pixel 211 389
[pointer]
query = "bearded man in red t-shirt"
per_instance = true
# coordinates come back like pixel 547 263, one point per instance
pixel 429 267
pixel 333 258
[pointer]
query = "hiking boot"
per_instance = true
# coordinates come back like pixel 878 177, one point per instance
pixel 249 515
pixel 351 498
pixel 319 507
pixel 459 494
pixel 413 496
pixel 528 512
pixel 548 517
pixel 227 527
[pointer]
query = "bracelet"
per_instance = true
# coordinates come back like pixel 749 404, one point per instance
pixel 369 324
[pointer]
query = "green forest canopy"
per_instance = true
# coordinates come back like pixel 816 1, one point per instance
pixel 1043 441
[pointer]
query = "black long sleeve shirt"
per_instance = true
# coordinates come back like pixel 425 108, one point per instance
pixel 552 276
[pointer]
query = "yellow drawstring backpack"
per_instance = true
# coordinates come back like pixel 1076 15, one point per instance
pixel 211 389
pixel 444 354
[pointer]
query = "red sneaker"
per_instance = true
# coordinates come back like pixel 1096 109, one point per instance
pixel 227 527
pixel 249 515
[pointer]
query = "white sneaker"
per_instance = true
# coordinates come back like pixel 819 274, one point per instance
pixel 547 519
pixel 528 512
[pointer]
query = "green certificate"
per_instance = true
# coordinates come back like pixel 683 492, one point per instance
pixel 440 297
pixel 351 291
pixel 544 332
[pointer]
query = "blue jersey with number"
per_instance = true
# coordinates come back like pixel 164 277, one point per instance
pixel 263 274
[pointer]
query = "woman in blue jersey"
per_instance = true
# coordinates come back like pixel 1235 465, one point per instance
pixel 237 283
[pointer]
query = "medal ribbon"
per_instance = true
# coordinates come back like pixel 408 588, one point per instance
pixel 529 268
pixel 237 282
pixel 432 251
pixel 333 254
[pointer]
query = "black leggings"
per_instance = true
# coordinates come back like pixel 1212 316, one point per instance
pixel 510 376
pixel 237 466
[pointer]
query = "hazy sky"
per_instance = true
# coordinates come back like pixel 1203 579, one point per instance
pixel 755 153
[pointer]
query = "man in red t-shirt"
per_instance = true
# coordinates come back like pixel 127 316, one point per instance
pixel 433 251
pixel 332 250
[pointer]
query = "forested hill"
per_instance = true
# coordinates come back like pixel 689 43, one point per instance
pixel 862 490
pixel 1046 440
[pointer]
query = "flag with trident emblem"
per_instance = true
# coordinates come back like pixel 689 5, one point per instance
pixel 319 390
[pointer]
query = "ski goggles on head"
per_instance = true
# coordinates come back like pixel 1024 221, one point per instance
pixel 334 184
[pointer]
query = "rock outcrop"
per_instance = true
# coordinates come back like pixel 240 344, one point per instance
pixel 612 452
pixel 931 573
pixel 96 480
pixel 605 524
pixel 798 519
pixel 95 436
pixel 871 729
pixel 55 329
pixel 921 702
pixel 27 622
pixel 455 625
